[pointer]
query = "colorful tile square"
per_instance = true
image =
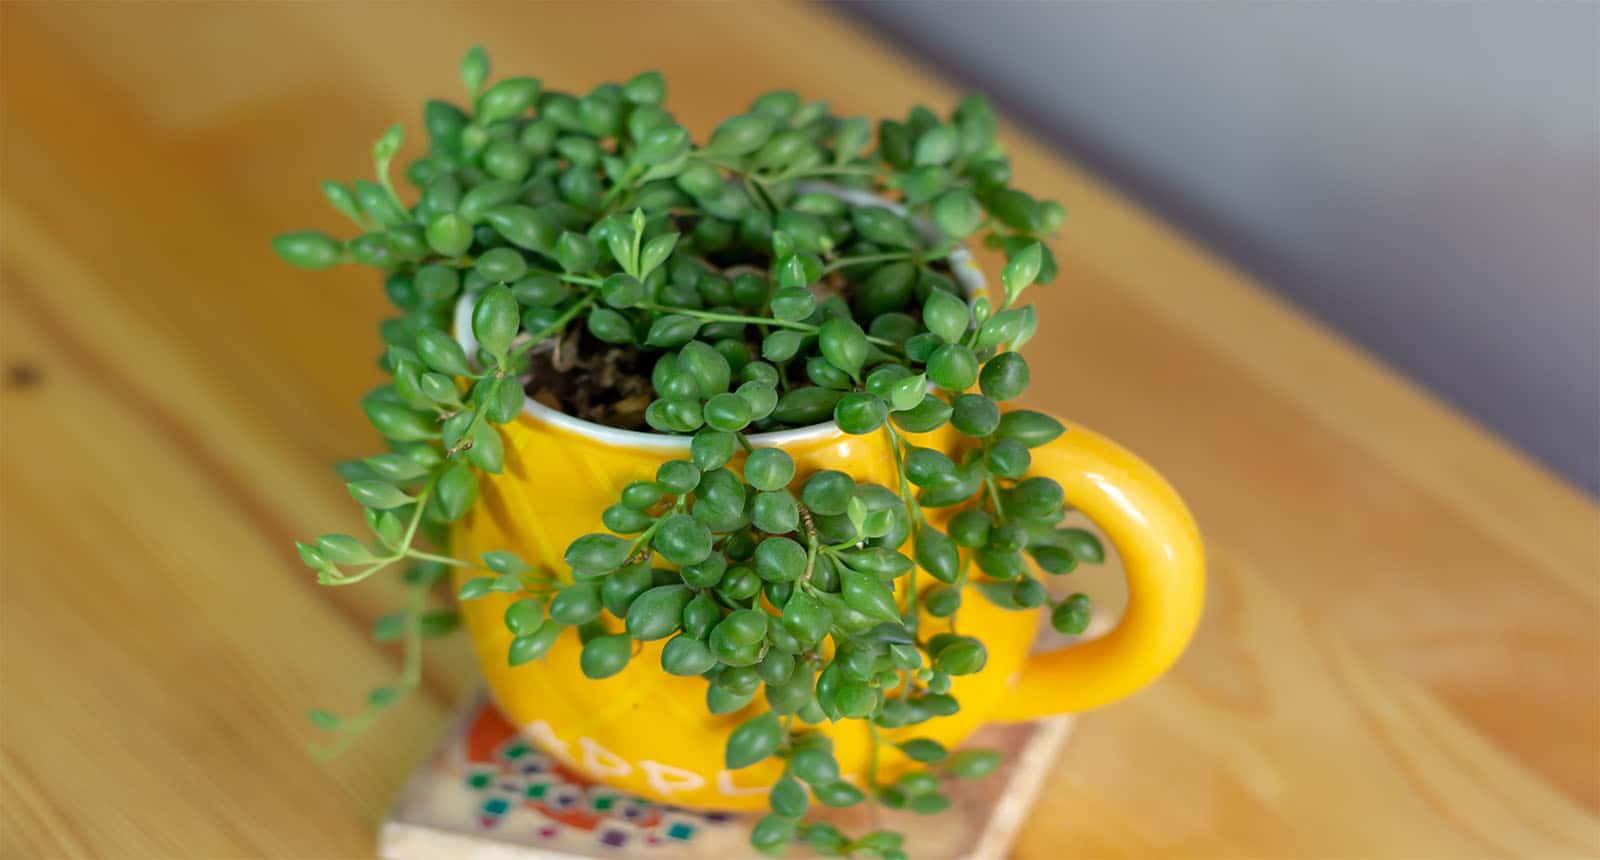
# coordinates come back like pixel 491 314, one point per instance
pixel 516 751
pixel 680 830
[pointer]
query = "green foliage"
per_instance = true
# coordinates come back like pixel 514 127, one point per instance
pixel 764 297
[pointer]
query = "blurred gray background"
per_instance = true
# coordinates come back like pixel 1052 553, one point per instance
pixel 1423 176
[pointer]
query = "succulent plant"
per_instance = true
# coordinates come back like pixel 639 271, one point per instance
pixel 792 269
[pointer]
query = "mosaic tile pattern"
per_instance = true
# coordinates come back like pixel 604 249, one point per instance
pixel 510 777
pixel 489 787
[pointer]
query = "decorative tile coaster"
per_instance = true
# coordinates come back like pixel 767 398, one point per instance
pixel 489 794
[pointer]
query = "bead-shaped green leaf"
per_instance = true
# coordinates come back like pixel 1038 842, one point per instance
pixel 745 626
pixel 495 320
pixel 780 560
pixel 754 740
pixel 860 412
pixel 507 99
pixel 975 415
pixel 685 656
pixel 700 614
pixel 534 645
pixel 576 604
pixel 456 491
pixel 957 213
pixel 775 512
pixel 837 794
pixel 937 554
pixel 882 227
pixel 806 618
pixel 962 657
pixel 972 764
pixel 851 137
pixel 1072 616
pixel 522 226
pixel 843 344
pixel 524 616
pixel 1005 376
pixel 1028 592
pixel 741 134
pixel 595 554
pixel 655 253
pixel 604 656
pixel 727 412
pixel 672 330
pixel 1021 270
pixel 378 495
pixel 664 145
pixel 1036 497
pixel 937 145
pixel 441 352
pixel 620 589
pixel 449 235
pixel 682 539
pixel 1083 545
pixel 924 750
pixel 771 833
pixel 828 492
pixel 815 766
pixel 769 469
pixel 712 449
pixel 789 798
pixel 308 249
pixel 709 368
pixel 868 595
pixel 953 367
pixel 1030 428
pixel 658 613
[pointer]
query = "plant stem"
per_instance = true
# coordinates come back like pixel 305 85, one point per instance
pixel 477 416
pixel 405 541
pixel 711 316
pixel 866 258
pixel 994 497
pixel 625 184
pixel 872 773
pixel 749 320
pixel 755 186
pixel 558 324
pixel 811 549
pixel 918 522
pixel 646 535
pixel 410 679
pixel 412 676
pixel 442 559
pixel 838 170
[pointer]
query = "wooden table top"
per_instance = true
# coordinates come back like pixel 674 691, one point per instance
pixel 1400 653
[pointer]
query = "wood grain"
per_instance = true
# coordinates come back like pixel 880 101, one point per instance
pixel 1401 658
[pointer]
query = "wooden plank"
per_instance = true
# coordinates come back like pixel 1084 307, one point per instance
pixel 1401 637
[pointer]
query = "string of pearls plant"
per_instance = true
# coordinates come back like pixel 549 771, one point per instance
pixel 765 301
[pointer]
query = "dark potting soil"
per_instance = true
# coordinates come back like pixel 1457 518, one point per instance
pixel 588 378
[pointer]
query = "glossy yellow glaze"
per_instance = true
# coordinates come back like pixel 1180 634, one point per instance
pixel 648 732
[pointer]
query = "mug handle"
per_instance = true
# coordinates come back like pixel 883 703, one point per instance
pixel 1164 562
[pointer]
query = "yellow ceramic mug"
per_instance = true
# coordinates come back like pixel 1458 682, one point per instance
pixel 649 733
